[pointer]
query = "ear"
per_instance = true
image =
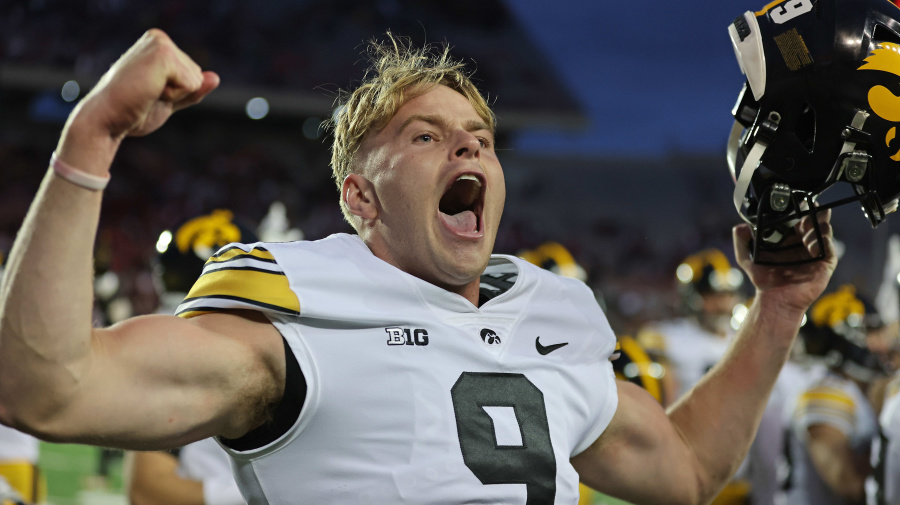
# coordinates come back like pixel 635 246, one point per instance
pixel 358 194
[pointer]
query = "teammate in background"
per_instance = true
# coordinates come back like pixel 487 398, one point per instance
pixel 373 367
pixel 181 254
pixel 554 257
pixel 831 424
pixel 709 290
pixel 20 477
pixel 883 485
pixel 198 473
pixel 21 481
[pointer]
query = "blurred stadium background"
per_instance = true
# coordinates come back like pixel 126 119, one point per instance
pixel 613 123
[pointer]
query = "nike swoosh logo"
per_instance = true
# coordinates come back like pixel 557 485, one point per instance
pixel 544 350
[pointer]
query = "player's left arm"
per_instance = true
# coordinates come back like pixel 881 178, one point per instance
pixel 686 455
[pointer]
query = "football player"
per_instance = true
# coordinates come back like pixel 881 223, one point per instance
pixel 883 486
pixel 831 423
pixel 357 368
pixel 21 482
pixel 198 473
pixel 709 288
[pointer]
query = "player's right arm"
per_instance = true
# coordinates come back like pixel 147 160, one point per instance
pixel 824 420
pixel 832 456
pixel 150 382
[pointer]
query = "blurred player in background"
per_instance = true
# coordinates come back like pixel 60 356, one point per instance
pixel 20 477
pixel 831 423
pixel 21 481
pixel 196 474
pixel 199 473
pixel 182 253
pixel 883 486
pixel 709 290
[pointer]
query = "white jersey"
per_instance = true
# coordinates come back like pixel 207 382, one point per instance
pixel 883 487
pixel 691 350
pixel 207 462
pixel 414 395
pixel 16 446
pixel 834 401
pixel 766 457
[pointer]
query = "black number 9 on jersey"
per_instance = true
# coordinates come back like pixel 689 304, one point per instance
pixel 531 463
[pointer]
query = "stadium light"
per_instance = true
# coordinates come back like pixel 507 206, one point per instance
pixel 70 91
pixel 257 108
pixel 165 238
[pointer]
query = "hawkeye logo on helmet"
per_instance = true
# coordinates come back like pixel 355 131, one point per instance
pixel 204 234
pixel 886 58
pixel 835 308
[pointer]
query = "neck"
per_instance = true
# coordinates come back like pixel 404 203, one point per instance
pixel 469 290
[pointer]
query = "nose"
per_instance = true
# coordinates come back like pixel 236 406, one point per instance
pixel 468 145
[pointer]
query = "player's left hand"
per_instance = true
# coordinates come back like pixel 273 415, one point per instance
pixel 791 287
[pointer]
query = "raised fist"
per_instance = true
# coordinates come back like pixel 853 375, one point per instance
pixel 153 79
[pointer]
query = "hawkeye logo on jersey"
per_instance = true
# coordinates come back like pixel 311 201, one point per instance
pixel 490 337
pixel 405 336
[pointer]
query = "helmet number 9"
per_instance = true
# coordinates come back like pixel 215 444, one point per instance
pixel 789 10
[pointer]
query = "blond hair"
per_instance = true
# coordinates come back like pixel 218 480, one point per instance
pixel 398 73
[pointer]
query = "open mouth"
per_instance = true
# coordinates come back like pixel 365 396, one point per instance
pixel 462 203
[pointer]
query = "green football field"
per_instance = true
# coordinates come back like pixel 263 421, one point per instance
pixel 77 475
pixel 74 475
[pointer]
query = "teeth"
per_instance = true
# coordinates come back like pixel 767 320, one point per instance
pixel 469 177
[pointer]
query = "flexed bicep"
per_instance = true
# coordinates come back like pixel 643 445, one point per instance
pixel 160 381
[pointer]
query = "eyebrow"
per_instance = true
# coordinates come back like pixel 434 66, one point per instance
pixel 470 126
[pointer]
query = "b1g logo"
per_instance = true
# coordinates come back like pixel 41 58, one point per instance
pixel 403 336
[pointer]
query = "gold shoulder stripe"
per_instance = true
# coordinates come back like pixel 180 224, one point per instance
pixel 237 251
pixel 256 286
pixel 194 313
pixel 840 401
pixel 825 389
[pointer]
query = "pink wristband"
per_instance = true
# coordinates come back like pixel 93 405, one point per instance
pixel 77 177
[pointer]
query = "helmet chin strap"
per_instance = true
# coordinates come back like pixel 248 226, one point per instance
pixel 751 163
pixel 859 120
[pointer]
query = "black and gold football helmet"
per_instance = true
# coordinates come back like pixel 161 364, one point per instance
pixel 555 257
pixel 632 363
pixel 820 108
pixel 836 331
pixel 183 253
